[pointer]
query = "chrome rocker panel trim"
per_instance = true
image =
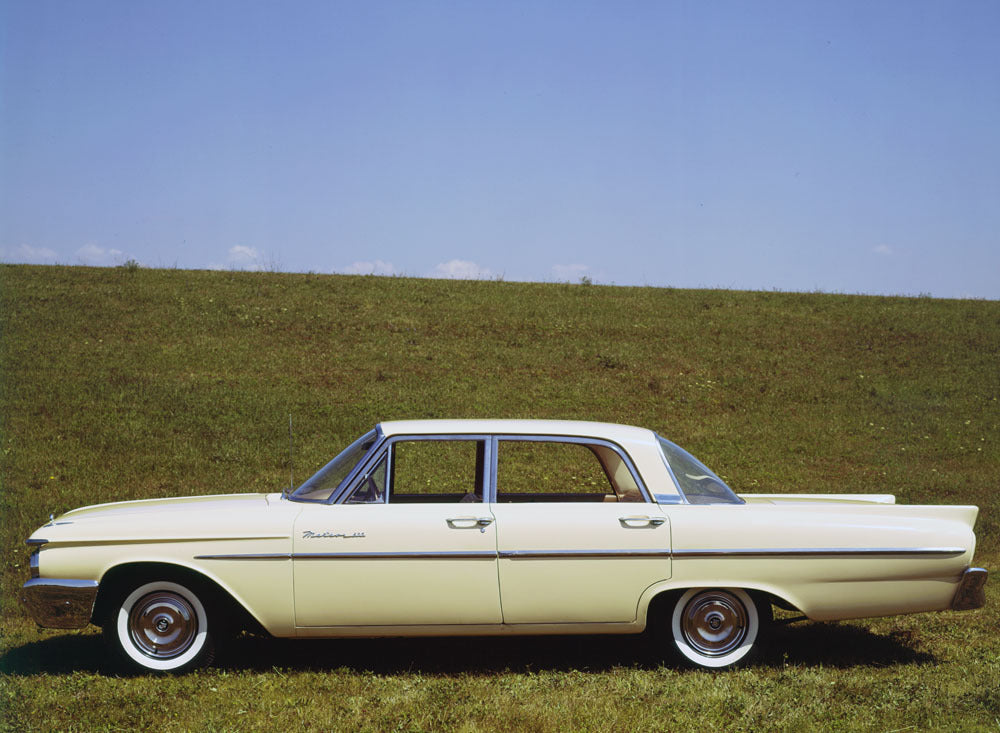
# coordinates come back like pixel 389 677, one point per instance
pixel 60 603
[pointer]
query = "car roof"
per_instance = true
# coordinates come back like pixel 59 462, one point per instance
pixel 568 428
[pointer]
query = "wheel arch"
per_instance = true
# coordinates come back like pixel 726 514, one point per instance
pixel 120 577
pixel 660 598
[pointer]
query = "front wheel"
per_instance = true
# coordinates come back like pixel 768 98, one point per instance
pixel 714 627
pixel 161 627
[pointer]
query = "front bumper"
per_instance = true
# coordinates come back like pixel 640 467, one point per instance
pixel 970 593
pixel 60 603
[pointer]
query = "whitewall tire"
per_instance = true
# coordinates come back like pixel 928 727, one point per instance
pixel 714 627
pixel 162 627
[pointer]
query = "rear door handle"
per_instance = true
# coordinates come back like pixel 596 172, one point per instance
pixel 635 522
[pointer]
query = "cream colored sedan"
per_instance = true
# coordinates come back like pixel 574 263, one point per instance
pixel 491 527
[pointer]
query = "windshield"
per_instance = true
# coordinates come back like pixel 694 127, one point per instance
pixel 698 484
pixel 325 481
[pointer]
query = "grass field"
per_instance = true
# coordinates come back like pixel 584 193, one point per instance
pixel 131 383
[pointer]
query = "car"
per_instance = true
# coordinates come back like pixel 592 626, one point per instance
pixel 495 527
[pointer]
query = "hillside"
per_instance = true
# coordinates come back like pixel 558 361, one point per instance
pixel 131 383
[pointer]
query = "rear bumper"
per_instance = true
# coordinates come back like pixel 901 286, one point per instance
pixel 60 603
pixel 970 593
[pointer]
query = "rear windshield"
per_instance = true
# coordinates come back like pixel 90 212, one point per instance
pixel 698 484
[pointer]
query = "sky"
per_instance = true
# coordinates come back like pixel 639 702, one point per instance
pixel 849 147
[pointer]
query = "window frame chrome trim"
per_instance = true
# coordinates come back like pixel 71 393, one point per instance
pixel 385 447
pixel 338 490
pixel 577 439
pixel 383 444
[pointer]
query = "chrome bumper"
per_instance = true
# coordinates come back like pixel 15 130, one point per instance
pixel 970 593
pixel 60 604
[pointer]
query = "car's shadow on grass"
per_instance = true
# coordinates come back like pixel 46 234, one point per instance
pixel 57 655
pixel 816 644
pixel 807 644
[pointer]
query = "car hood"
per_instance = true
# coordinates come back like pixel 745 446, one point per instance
pixel 231 516
pixel 218 504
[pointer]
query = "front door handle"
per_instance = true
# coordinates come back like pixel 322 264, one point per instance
pixel 635 522
pixel 470 523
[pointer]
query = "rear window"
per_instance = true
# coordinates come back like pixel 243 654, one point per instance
pixel 695 480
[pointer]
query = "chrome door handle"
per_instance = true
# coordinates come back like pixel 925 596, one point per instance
pixel 634 522
pixel 470 522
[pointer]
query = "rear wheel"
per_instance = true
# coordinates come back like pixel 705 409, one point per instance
pixel 714 627
pixel 160 626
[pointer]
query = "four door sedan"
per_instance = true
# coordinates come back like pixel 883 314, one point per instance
pixel 491 527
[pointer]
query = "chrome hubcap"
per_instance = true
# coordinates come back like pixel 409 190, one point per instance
pixel 714 623
pixel 162 625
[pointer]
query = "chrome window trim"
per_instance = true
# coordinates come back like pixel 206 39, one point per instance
pixel 677 484
pixel 385 446
pixel 579 440
pixel 671 499
pixel 681 498
pixel 335 494
pixel 821 551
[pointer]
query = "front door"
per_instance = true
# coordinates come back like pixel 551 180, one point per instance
pixel 412 545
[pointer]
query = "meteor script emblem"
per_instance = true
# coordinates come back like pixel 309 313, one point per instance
pixel 310 535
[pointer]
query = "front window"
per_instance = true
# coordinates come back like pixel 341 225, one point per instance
pixel 698 484
pixel 425 470
pixel 325 481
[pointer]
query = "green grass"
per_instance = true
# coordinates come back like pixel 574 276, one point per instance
pixel 129 383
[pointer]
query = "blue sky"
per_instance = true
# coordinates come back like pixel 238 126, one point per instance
pixel 836 146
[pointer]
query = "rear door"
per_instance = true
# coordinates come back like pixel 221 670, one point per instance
pixel 578 540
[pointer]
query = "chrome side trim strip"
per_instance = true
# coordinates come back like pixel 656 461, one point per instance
pixel 36 542
pixel 598 554
pixel 161 540
pixel 247 556
pixel 580 554
pixel 823 552
pixel 471 555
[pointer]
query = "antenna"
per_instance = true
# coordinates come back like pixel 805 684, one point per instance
pixel 291 470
